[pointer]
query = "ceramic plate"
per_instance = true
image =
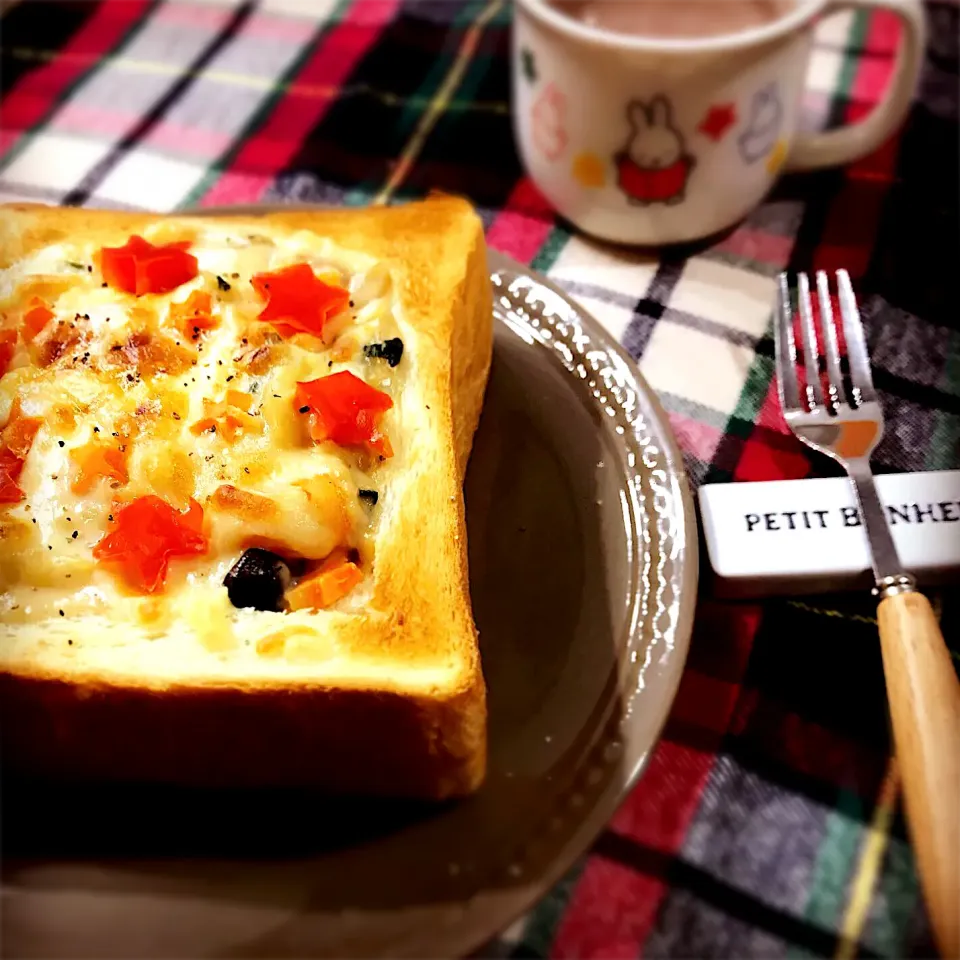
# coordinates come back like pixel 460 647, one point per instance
pixel 583 572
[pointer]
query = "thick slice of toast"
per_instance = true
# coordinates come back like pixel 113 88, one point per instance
pixel 157 429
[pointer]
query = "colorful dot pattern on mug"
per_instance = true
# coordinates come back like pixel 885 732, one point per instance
pixel 589 170
pixel 528 64
pixel 549 122
pixel 718 120
pixel 777 157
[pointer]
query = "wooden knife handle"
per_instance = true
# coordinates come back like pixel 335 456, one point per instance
pixel 924 697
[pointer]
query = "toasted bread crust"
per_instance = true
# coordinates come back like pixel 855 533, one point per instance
pixel 64 717
pixel 346 741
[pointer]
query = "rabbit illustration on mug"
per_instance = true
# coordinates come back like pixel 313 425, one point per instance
pixel 654 165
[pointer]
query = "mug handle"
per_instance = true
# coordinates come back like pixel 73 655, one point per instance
pixel 837 147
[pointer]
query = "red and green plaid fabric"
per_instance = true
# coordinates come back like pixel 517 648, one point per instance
pixel 768 823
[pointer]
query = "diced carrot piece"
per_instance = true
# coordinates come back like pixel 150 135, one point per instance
pixel 8 345
pixel 10 468
pixel 229 417
pixel 330 582
pixel 240 400
pixel 15 442
pixel 18 434
pixel 96 460
pixel 35 319
pixel 194 314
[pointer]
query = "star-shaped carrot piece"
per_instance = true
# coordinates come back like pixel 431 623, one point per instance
pixel 298 301
pixel 344 409
pixel 140 267
pixel 146 535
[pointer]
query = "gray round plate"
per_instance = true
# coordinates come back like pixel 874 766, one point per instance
pixel 583 561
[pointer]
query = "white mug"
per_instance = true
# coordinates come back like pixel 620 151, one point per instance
pixel 657 141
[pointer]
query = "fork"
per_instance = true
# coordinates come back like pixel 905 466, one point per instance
pixel 922 687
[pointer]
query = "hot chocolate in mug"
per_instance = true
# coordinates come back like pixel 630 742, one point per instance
pixel 653 140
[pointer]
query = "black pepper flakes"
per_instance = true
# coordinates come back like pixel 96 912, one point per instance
pixel 62 614
pixel 75 534
pixel 110 518
pixel 96 429
pixel 304 409
pixel 222 284
pixel 228 378
pixel 61 443
pixel 176 416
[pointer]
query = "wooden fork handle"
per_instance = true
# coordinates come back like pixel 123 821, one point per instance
pixel 924 698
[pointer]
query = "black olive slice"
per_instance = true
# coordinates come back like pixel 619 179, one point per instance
pixel 258 580
pixel 390 350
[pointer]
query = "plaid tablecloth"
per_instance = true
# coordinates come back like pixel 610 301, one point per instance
pixel 768 823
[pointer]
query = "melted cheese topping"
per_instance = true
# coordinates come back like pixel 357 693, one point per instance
pixel 111 365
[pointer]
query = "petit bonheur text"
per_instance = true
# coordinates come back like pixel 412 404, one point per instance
pixel 944 511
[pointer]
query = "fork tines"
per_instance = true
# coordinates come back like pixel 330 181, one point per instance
pixel 813 399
